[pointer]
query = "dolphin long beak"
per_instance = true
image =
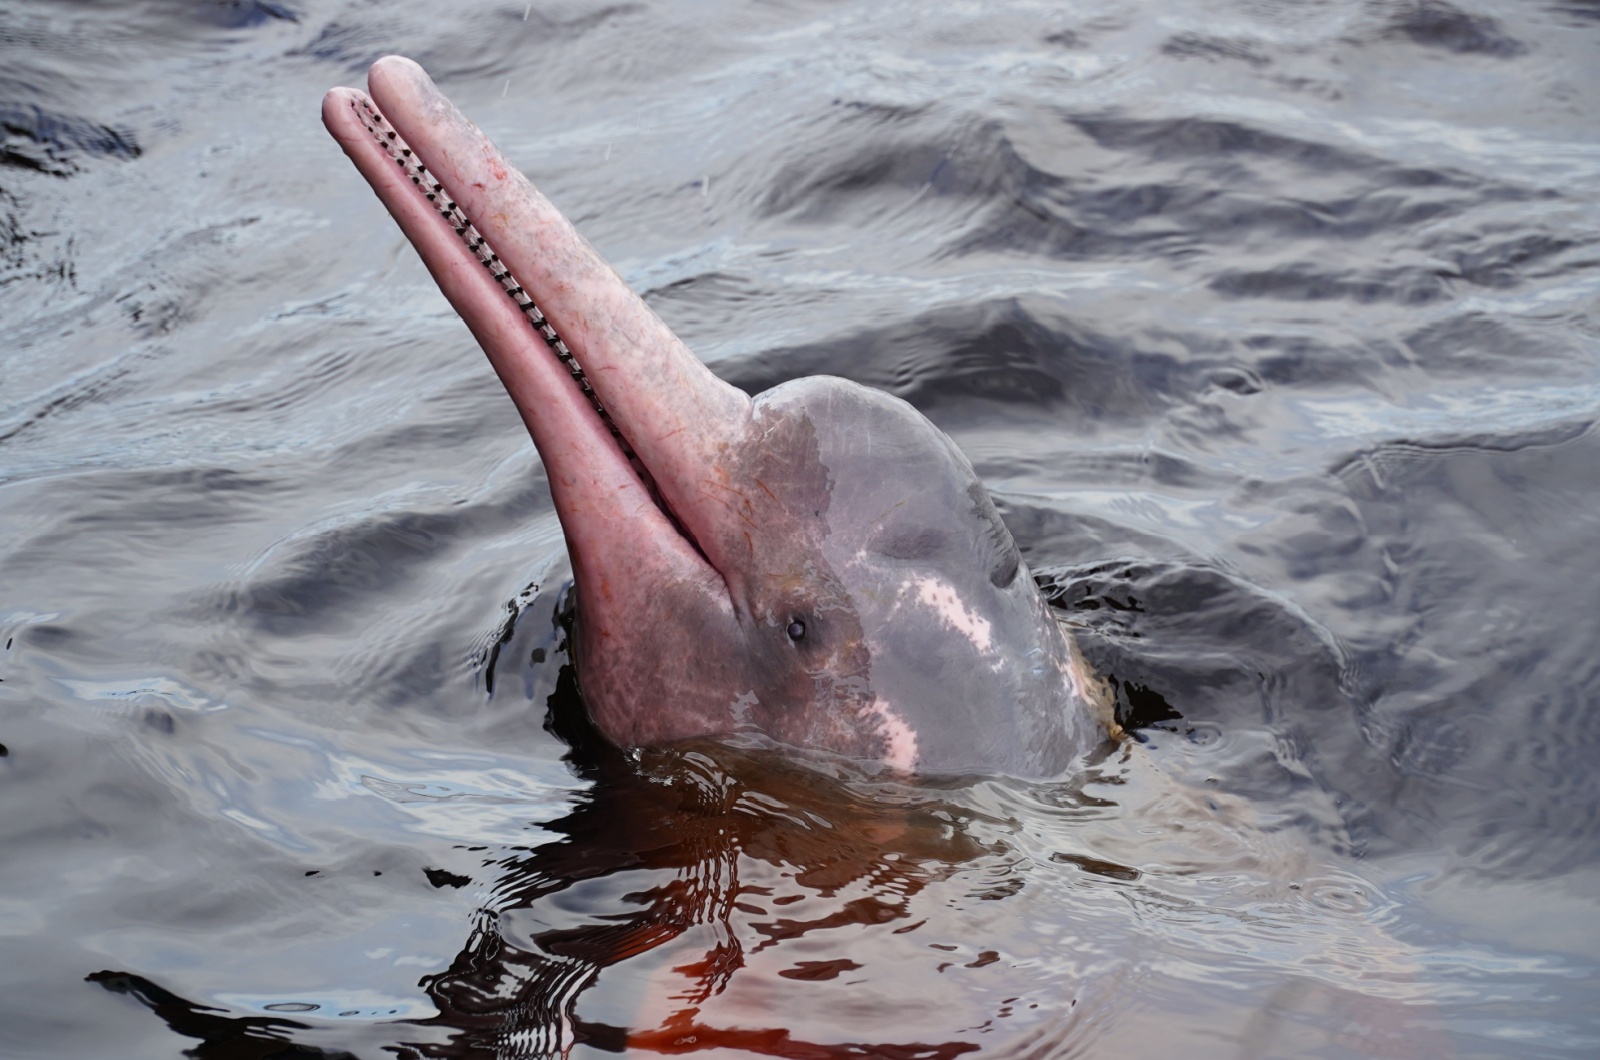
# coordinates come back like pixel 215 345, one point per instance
pixel 677 417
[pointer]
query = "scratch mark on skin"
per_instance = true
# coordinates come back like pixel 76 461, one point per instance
pixel 731 507
pixel 764 489
pixel 883 516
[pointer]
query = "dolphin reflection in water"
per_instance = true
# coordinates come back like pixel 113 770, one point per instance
pixel 819 564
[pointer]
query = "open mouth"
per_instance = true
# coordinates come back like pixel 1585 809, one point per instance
pixel 431 189
pixel 623 415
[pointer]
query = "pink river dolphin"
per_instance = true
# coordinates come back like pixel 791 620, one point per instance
pixel 819 563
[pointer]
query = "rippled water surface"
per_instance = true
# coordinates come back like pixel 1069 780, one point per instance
pixel 1273 326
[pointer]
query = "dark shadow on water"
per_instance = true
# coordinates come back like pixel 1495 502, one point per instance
pixel 1194 654
pixel 222 1037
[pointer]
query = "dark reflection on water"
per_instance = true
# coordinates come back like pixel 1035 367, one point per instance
pixel 1271 325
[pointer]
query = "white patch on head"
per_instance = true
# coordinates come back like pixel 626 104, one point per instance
pixel 941 596
pixel 900 743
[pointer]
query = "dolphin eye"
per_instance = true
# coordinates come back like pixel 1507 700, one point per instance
pixel 797 629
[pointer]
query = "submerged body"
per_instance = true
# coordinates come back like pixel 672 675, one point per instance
pixel 820 563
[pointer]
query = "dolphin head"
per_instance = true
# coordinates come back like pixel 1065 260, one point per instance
pixel 820 563
pixel 886 610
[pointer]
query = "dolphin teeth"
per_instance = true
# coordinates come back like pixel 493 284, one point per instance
pixel 401 152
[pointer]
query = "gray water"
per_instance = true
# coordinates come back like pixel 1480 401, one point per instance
pixel 1273 326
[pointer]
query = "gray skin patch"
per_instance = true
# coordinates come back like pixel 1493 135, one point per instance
pixel 860 523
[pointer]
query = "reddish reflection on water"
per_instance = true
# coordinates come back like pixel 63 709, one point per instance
pixel 685 909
